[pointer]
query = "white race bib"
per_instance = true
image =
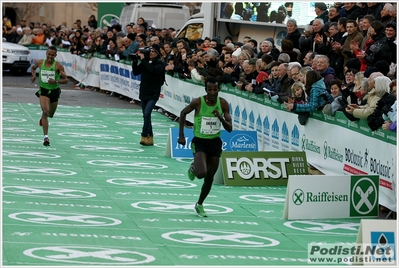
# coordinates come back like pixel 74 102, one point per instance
pixel 210 125
pixel 46 75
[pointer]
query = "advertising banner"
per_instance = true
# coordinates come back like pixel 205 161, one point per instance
pixel 323 197
pixel 262 168
pixel 382 236
pixel 237 140
pixel 108 13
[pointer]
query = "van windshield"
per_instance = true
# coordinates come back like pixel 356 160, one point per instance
pixel 192 31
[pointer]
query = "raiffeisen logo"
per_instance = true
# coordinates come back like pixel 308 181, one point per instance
pixel 284 133
pixel 332 153
pixel 244 117
pixel 251 120
pixel 266 126
pixel 299 197
pixel 237 114
pixel 295 136
pixel 275 130
pixel 242 142
pixel 309 145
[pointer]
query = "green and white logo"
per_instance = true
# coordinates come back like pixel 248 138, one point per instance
pixel 298 197
pixel 364 196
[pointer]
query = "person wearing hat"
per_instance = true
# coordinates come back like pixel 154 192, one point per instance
pixel 321 11
pixel 228 39
pixel 199 44
pixel 120 35
pixel 18 36
pixel 152 72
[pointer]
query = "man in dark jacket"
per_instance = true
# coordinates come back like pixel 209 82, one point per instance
pixel 315 40
pixel 352 11
pixel 374 9
pixel 293 33
pixel 321 11
pixel 152 73
pixel 384 48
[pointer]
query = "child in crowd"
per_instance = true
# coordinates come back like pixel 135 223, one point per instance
pixel 298 96
pixel 298 93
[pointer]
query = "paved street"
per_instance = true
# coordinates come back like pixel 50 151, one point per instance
pixel 20 89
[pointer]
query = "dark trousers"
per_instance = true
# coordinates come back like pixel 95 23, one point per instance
pixel 147 106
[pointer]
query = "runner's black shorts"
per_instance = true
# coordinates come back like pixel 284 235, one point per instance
pixel 53 94
pixel 211 147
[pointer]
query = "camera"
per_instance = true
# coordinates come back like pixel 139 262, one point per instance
pixel 144 50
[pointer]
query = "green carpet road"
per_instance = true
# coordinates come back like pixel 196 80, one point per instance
pixel 96 197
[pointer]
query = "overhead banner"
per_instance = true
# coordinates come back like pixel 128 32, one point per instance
pixel 323 197
pixel 109 13
pixel 237 140
pixel 261 168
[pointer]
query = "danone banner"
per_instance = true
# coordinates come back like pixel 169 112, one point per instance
pixel 333 144
pixel 262 168
pixel 322 197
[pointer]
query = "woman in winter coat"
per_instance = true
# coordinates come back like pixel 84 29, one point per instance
pixel 316 90
pixel 380 88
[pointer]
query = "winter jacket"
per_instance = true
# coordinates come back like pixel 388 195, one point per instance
pixel 152 77
pixel 384 49
pixel 366 110
pixel 383 107
pixel 328 75
pixel 26 40
pixel 354 13
pixel 315 98
pixel 294 37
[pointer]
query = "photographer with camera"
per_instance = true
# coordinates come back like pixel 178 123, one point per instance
pixel 148 63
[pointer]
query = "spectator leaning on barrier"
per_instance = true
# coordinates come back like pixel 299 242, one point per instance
pixel 384 104
pixel 381 86
pixel 26 38
pixel 316 90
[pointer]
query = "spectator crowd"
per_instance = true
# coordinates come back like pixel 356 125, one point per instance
pixel 344 60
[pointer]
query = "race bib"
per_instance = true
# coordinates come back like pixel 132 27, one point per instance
pixel 46 75
pixel 210 125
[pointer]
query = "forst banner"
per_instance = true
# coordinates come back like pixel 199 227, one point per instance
pixel 262 168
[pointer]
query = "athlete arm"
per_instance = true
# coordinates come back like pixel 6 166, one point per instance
pixel 33 69
pixel 226 121
pixel 182 119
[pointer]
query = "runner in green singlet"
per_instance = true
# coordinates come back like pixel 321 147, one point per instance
pixel 211 112
pixel 51 74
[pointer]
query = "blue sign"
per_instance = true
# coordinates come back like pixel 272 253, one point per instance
pixel 237 140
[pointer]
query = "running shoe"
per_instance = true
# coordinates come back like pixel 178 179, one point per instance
pixel 40 122
pixel 200 210
pixel 46 142
pixel 190 171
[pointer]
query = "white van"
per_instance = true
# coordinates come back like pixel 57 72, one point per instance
pixel 158 14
